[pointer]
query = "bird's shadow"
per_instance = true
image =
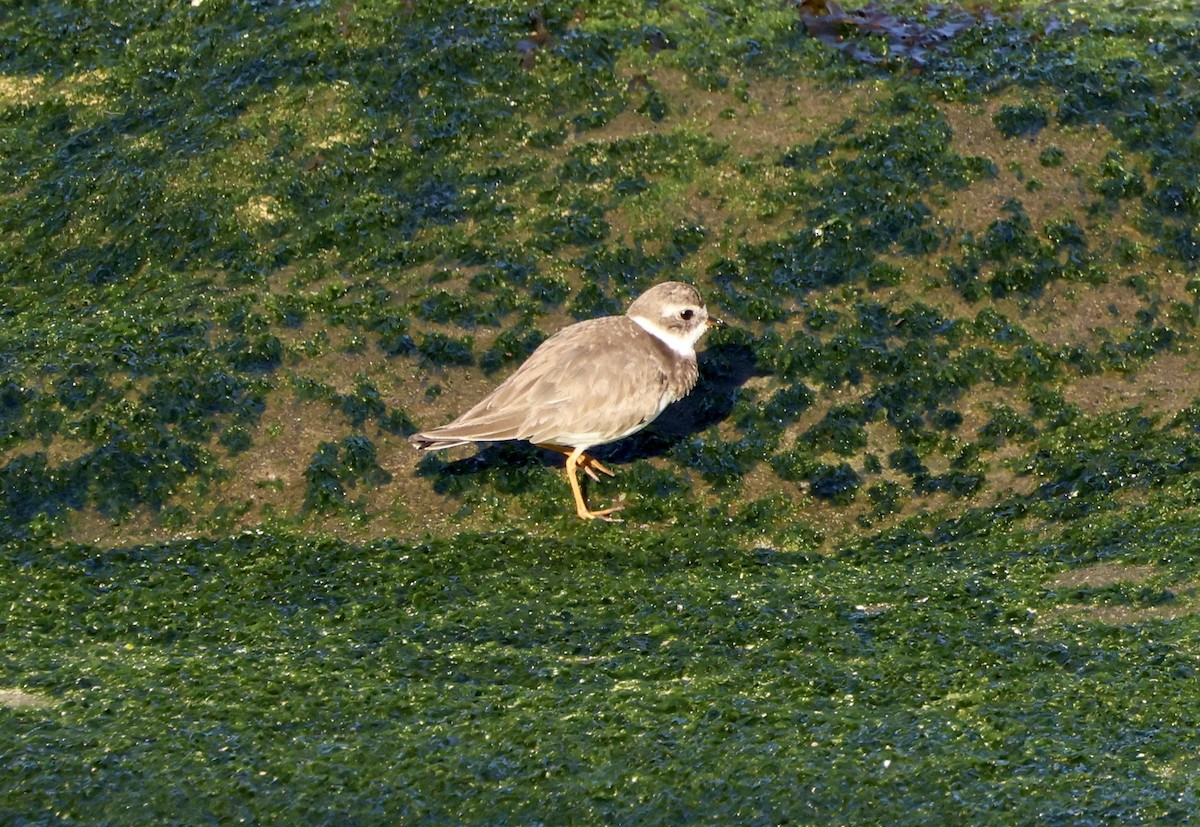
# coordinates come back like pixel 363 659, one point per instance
pixel 724 368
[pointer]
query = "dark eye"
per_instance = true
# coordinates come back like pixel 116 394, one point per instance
pixel 686 315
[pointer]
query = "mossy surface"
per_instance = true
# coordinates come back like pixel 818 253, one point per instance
pixel 919 547
pixel 661 676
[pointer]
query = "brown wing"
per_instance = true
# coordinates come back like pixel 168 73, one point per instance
pixel 590 383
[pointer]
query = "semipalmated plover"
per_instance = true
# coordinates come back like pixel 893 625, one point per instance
pixel 592 383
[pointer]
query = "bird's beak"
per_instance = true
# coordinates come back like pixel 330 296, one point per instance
pixel 712 321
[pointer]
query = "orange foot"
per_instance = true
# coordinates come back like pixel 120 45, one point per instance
pixel 578 458
pixel 603 514
pixel 588 463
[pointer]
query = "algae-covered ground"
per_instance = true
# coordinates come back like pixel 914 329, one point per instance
pixel 921 548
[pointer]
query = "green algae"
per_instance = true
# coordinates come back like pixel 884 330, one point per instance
pixel 509 674
pixel 248 247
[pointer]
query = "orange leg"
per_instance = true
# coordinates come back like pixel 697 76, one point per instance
pixel 573 461
pixel 589 464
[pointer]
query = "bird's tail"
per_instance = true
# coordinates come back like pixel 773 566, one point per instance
pixel 433 442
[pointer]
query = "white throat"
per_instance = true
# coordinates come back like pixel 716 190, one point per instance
pixel 684 345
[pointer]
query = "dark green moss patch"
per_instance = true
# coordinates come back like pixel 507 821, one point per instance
pixel 441 350
pixel 720 462
pixel 837 483
pixel 338 466
pixel 1025 119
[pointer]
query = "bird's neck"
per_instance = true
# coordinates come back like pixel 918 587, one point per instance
pixel 683 345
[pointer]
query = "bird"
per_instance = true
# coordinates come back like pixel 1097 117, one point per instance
pixel 592 383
